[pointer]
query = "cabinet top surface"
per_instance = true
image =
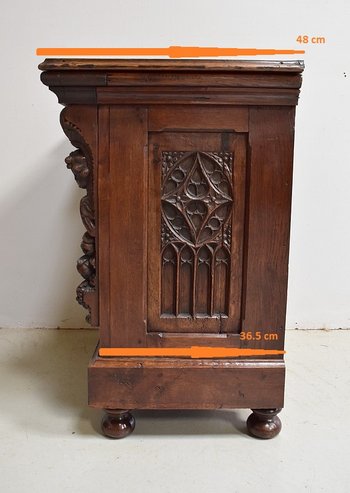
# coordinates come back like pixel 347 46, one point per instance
pixel 120 64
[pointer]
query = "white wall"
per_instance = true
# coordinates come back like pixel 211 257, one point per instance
pixel 39 220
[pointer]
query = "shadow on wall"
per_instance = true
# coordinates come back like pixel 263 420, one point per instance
pixel 41 233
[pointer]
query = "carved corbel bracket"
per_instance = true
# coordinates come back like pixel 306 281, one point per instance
pixel 80 162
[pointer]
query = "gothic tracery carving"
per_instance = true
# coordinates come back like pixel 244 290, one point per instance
pixel 196 208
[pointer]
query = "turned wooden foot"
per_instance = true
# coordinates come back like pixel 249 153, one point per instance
pixel 117 423
pixel 264 423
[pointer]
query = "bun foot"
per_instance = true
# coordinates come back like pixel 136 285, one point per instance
pixel 117 423
pixel 264 423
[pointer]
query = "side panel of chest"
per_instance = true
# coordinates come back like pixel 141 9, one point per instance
pixel 194 213
pixel 141 297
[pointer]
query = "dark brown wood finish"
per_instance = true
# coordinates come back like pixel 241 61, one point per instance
pixel 117 423
pixel 168 383
pixel 187 166
pixel 128 221
pixel 144 65
pixel 271 136
pixel 264 423
pixel 173 81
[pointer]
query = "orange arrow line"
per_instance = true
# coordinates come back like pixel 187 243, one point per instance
pixel 189 352
pixel 171 51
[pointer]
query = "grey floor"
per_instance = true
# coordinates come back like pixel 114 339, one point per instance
pixel 50 439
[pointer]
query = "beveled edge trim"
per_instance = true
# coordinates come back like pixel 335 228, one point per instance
pixel 139 64
pixel 203 96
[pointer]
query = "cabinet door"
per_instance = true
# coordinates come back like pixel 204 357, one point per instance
pixel 196 203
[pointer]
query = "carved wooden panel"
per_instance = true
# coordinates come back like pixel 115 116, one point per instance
pixel 199 271
pixel 195 233
pixel 80 162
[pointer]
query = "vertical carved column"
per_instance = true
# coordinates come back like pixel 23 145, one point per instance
pixel 80 162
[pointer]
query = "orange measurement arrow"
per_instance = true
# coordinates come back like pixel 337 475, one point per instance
pixel 171 51
pixel 189 352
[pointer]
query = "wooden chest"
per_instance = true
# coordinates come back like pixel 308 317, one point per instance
pixel 187 167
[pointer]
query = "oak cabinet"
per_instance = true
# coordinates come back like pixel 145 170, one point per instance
pixel 187 167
